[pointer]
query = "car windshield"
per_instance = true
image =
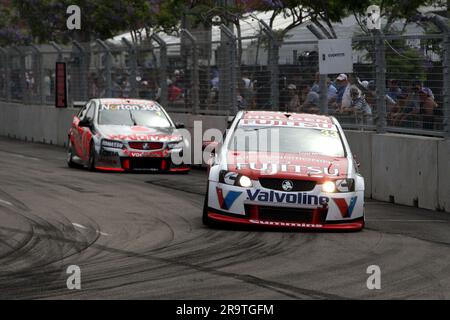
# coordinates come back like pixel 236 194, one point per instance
pixel 147 118
pixel 287 140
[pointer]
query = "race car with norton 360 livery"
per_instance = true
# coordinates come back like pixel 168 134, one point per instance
pixel 290 170
pixel 124 135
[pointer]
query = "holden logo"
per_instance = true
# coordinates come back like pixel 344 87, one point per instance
pixel 287 185
pixel 145 146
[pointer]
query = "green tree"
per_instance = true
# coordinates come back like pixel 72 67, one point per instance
pixel 45 20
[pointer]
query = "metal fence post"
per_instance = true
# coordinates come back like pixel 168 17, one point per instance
pixel 108 66
pixel 380 80
pixel 39 74
pixel 195 76
pixel 58 49
pixel 446 85
pixel 227 71
pixel 22 80
pixel 163 68
pixel 323 88
pixel 7 80
pixel 133 67
pixel 273 64
pixel 83 69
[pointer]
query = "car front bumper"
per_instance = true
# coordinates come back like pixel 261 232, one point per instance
pixel 269 208
pixel 123 160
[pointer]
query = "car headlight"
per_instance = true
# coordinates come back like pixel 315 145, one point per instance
pixel 175 145
pixel 245 182
pixel 235 179
pixel 112 144
pixel 342 185
pixel 328 186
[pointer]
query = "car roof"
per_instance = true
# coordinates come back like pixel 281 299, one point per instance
pixel 279 115
pixel 287 119
pixel 126 100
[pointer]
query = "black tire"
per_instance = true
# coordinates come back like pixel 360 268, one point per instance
pixel 207 221
pixel 70 162
pixel 92 158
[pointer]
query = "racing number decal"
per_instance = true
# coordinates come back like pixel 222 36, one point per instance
pixel 329 133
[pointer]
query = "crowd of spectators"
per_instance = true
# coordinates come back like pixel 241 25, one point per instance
pixel 351 100
pixel 408 102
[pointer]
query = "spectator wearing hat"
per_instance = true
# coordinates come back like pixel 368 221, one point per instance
pixel 294 101
pixel 343 99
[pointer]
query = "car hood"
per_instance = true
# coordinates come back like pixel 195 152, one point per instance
pixel 138 133
pixel 287 165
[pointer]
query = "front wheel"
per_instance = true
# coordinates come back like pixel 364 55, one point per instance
pixel 207 221
pixel 70 162
pixel 92 158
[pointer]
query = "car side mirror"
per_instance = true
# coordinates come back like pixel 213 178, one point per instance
pixel 85 123
pixel 179 125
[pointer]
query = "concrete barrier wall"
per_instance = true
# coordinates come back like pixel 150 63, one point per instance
pixel 404 169
pixel 361 145
pixel 35 123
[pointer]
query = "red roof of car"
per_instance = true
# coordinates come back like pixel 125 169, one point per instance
pixel 277 118
pixel 279 115
pixel 125 100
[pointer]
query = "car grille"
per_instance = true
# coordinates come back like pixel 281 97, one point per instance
pixel 146 145
pixel 285 214
pixel 298 185
pixel 145 163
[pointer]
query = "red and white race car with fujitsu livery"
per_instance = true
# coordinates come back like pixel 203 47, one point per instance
pixel 125 135
pixel 285 170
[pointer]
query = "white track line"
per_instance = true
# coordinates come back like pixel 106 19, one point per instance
pixel 77 225
pixel 6 202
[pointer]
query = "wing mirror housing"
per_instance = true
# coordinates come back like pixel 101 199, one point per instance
pixel 85 123
pixel 179 125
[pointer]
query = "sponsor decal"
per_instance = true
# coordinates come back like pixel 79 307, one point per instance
pixel 283 197
pixel 149 154
pixel 129 106
pixel 282 116
pixel 142 137
pixel 287 224
pixel 346 209
pixel 287 123
pixel 227 201
pixel 273 168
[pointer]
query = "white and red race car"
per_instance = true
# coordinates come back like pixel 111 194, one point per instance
pixel 124 135
pixel 285 170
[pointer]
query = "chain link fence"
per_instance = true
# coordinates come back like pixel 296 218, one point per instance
pixel 399 83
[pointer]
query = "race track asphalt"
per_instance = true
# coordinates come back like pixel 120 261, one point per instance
pixel 140 236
